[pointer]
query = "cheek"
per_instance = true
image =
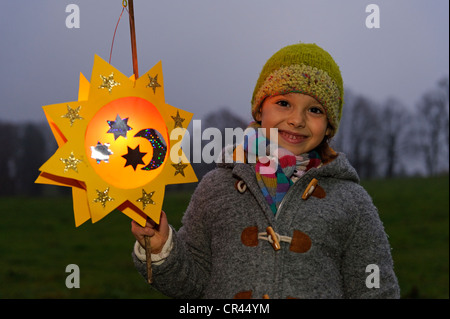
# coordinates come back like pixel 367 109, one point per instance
pixel 268 118
pixel 320 128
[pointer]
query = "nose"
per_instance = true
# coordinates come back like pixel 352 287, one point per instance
pixel 296 119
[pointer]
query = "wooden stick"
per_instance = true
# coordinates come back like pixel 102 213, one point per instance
pixel 133 39
pixel 148 254
pixel 148 246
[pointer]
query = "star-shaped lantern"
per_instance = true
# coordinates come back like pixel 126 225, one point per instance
pixel 114 145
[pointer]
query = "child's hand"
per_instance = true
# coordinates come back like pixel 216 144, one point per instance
pixel 158 233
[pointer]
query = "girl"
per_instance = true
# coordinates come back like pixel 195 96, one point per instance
pixel 304 229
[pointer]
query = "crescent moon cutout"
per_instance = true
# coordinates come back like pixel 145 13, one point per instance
pixel 159 147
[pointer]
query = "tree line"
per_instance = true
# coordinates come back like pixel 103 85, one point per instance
pixel 381 140
pixel 391 139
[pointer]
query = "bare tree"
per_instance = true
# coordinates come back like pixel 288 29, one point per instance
pixel 29 157
pixel 363 141
pixel 432 112
pixel 343 139
pixel 9 144
pixel 358 136
pixel 393 117
pixel 219 121
pixel 443 87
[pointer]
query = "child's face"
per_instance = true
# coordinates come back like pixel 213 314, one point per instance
pixel 301 121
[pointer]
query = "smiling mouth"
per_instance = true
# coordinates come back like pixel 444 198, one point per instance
pixel 291 137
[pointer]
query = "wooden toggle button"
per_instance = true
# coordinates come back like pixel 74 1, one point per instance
pixel 275 242
pixel 313 189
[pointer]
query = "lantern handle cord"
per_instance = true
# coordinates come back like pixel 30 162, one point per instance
pixel 128 3
pixel 114 36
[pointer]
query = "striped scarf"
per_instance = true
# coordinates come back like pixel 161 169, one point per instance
pixel 277 169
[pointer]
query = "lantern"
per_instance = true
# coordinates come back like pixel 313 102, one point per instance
pixel 114 145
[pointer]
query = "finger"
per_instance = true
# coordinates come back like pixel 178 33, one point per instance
pixel 163 218
pixel 162 221
pixel 137 229
pixel 164 224
pixel 135 226
pixel 150 223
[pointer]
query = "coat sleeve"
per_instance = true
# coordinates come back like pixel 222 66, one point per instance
pixel 186 271
pixel 367 265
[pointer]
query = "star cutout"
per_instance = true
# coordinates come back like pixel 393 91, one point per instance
pixel 153 83
pixel 70 163
pixel 101 152
pixel 119 127
pixel 72 114
pixel 134 157
pixel 146 199
pixel 179 168
pixel 103 197
pixel 178 120
pixel 108 82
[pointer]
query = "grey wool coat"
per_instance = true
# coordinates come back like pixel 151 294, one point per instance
pixel 332 244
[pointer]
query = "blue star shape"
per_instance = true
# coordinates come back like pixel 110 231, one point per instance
pixel 119 127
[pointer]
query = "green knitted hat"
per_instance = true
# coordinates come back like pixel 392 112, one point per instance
pixel 302 68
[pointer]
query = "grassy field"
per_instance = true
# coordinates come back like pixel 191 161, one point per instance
pixel 415 213
pixel 38 240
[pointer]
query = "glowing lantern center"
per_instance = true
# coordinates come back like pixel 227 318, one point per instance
pixel 126 142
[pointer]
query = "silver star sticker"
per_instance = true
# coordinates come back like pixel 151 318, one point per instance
pixel 119 127
pixel 101 152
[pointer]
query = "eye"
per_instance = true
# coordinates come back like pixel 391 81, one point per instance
pixel 316 110
pixel 283 103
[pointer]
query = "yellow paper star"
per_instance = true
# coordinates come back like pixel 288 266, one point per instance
pixel 146 199
pixel 178 120
pixel 70 163
pixel 108 82
pixel 103 197
pixel 153 82
pixel 72 114
pixel 179 168
pixel 149 119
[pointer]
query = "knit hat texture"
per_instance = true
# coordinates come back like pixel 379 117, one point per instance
pixel 302 68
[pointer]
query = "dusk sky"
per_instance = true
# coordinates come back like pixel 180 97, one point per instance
pixel 212 51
